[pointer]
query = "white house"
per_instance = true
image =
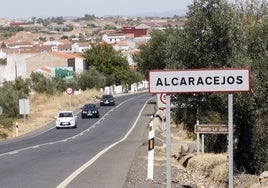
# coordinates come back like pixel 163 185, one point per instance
pixel 121 46
pixel 113 37
pixel 80 46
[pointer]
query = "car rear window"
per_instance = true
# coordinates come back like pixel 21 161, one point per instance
pixel 66 114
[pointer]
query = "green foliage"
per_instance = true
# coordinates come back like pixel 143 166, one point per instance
pixel 218 35
pixel 259 147
pixel 10 94
pixel 64 37
pixel 251 153
pixel 134 77
pixel 109 27
pixel 153 55
pixel 41 84
pixel 108 61
pixel 205 38
pixel 3 61
pixel 87 17
pixel 5 122
pixel 91 79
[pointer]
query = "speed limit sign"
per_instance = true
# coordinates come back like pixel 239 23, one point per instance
pixel 161 100
pixel 69 90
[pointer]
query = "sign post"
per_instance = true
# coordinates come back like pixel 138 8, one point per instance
pixel 168 141
pixel 230 138
pixel 197 81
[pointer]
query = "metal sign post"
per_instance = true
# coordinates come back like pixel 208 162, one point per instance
pixel 230 138
pixel 70 91
pixel 168 141
pixel 197 140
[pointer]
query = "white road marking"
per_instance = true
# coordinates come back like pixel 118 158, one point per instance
pixel 71 177
pixel 50 143
pixel 59 141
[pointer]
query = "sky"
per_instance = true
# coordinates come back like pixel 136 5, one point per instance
pixel 56 8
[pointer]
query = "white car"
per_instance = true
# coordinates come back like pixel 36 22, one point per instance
pixel 66 119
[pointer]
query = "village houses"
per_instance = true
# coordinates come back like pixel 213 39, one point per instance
pixel 24 57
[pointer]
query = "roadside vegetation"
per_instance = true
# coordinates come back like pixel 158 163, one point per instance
pixel 220 35
pixel 112 70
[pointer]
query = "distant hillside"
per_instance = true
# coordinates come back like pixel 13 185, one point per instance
pixel 162 14
pixel 167 14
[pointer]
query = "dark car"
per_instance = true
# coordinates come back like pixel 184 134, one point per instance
pixel 107 100
pixel 90 110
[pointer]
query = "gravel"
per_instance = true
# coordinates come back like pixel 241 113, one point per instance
pixel 137 176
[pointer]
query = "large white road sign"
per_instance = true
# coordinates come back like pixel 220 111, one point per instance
pixel 199 80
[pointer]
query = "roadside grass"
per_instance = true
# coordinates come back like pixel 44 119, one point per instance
pixel 211 166
pixel 43 109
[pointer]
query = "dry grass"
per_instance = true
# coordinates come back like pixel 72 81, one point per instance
pixel 211 166
pixel 44 108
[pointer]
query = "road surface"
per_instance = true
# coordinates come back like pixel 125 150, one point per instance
pixel 96 154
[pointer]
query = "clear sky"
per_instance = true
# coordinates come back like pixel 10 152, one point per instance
pixel 55 8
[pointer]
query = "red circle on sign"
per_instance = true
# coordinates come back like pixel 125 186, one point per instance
pixel 162 98
pixel 69 90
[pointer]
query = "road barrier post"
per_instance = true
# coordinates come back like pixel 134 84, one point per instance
pixel 17 129
pixel 150 172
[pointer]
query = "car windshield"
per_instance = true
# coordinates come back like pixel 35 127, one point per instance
pixel 107 96
pixel 66 114
pixel 89 106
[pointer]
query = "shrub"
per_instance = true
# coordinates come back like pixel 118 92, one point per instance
pixel 91 79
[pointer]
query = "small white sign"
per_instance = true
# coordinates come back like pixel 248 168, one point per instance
pixel 199 80
pixel 24 105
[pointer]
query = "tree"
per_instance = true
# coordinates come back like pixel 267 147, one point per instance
pixel 109 62
pixel 91 79
pixel 252 148
pixel 205 40
pixel 152 55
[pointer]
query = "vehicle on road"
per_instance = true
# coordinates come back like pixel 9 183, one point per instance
pixel 107 100
pixel 90 110
pixel 66 119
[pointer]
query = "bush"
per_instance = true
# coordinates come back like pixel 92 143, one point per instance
pixel 6 122
pixel 259 146
pixel 41 84
pixel 91 79
pixel 3 135
pixel 3 61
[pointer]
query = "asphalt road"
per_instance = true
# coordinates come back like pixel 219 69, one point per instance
pixel 96 154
